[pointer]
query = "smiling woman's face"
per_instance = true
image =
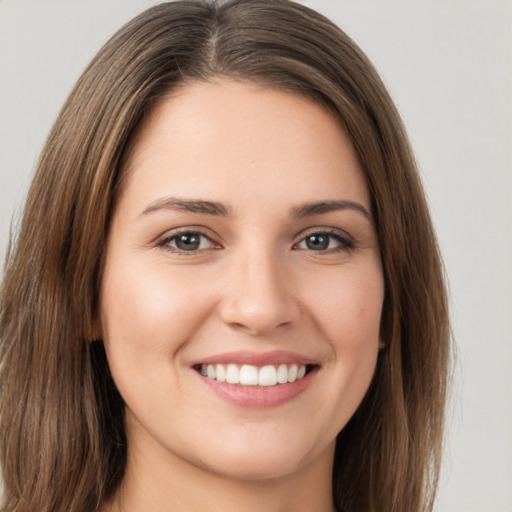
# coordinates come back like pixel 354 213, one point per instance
pixel 243 288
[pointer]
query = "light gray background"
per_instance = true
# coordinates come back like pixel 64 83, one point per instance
pixel 448 64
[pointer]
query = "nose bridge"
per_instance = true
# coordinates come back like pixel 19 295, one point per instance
pixel 259 296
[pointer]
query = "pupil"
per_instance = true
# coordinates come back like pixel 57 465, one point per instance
pixel 317 242
pixel 187 242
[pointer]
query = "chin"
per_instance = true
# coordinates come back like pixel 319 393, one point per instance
pixel 257 467
pixel 263 459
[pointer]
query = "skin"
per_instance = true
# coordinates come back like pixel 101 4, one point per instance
pixel 253 284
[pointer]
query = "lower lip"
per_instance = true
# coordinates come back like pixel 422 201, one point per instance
pixel 258 397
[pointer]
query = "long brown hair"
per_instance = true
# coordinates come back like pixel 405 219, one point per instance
pixel 62 441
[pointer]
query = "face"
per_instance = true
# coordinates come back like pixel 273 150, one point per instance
pixel 242 288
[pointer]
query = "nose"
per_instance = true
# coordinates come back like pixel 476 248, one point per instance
pixel 259 296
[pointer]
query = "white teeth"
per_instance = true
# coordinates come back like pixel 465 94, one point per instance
pixel 292 373
pixel 220 373
pixel 282 374
pixel 268 376
pixel 232 374
pixel 249 375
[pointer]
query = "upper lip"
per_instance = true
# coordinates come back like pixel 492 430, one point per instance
pixel 275 357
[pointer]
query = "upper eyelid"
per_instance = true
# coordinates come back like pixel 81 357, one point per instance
pixel 169 236
pixel 323 230
pixel 200 230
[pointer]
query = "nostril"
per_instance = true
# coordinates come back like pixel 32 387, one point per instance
pixel 259 308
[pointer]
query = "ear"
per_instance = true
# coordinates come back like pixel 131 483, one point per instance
pixel 382 345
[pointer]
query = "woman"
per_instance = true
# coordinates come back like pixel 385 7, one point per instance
pixel 240 301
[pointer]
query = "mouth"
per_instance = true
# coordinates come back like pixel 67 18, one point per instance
pixel 257 380
pixel 248 375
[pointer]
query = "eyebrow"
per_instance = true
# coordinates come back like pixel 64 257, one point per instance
pixel 187 205
pixel 317 208
pixel 219 209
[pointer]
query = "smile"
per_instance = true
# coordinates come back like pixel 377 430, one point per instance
pixel 250 375
pixel 257 380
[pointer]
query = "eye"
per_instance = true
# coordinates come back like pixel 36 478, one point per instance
pixel 186 241
pixel 325 242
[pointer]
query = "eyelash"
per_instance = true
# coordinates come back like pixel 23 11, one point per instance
pixel 345 243
pixel 168 240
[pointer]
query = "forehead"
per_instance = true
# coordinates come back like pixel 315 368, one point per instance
pixel 228 138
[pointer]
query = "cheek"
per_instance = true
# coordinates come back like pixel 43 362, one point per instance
pixel 348 307
pixel 346 304
pixel 149 312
